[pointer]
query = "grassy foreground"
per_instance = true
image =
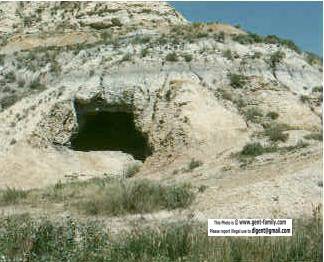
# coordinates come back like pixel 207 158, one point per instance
pixel 106 196
pixel 25 239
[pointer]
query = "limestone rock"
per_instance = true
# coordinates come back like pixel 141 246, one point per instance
pixel 59 60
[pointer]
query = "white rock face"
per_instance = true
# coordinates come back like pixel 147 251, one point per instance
pixel 42 17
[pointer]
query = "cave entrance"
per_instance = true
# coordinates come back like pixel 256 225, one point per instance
pixel 110 131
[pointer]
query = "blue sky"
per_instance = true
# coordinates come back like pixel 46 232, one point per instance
pixel 298 21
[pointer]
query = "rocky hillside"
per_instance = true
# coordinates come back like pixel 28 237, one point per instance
pixel 210 100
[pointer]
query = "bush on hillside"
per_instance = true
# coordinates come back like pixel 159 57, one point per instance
pixel 172 57
pixel 237 81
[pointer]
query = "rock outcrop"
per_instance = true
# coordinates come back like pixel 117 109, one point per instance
pixel 195 91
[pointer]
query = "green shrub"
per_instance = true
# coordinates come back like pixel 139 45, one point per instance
pixel 220 37
pixel 105 36
pixel 276 58
pixel 2 58
pixel 144 52
pixel 194 164
pixel 9 100
pixel 202 188
pixel 187 57
pixel 36 85
pixel 276 133
pixel 317 89
pixel 11 196
pixel 197 25
pixel 140 196
pixel 35 240
pixel 162 40
pixel 252 149
pixel 25 239
pixel 273 39
pixel 228 54
pixel 55 67
pixel 99 25
pixel 290 44
pixel 253 114
pixel 312 58
pixel 172 57
pixel 237 81
pixel 146 11
pixel 272 115
pixel 116 22
pixel 10 77
pixel 314 136
pixel 250 38
pixel 304 98
pixel 256 55
pixel 21 83
pixel 201 34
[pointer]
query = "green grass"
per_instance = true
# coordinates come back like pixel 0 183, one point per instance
pixel 252 150
pixel 275 132
pixel 172 57
pixel 142 196
pixel 11 196
pixel 237 81
pixel 107 196
pixel 252 38
pixel 25 239
pixel 314 136
pixel 36 85
pixel 253 114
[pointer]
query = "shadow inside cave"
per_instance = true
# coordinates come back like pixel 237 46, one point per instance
pixel 110 131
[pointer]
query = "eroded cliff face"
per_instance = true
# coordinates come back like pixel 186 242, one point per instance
pixel 192 91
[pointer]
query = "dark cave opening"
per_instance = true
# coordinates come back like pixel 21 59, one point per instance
pixel 110 131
